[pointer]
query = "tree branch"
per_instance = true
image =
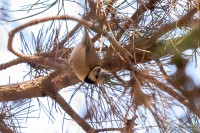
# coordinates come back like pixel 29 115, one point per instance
pixel 134 18
pixel 4 128
pixel 68 109
pixel 34 88
pixel 10 63
pixel 166 28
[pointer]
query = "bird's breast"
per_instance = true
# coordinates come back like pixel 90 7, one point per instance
pixel 78 63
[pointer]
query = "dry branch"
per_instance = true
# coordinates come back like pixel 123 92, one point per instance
pixel 34 88
pixel 4 128
pixel 68 109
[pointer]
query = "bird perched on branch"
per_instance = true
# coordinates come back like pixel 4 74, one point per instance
pixel 85 62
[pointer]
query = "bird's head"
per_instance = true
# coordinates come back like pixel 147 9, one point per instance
pixel 98 75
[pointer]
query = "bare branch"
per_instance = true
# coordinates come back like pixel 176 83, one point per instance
pixel 10 63
pixel 68 109
pixel 34 88
pixel 4 128
pixel 166 28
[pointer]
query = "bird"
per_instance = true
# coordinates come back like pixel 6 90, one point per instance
pixel 85 62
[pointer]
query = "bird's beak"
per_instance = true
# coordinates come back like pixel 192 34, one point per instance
pixel 107 75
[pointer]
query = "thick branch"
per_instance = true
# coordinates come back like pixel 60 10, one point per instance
pixel 33 88
pixel 28 89
pixel 4 128
pixel 10 63
pixel 190 41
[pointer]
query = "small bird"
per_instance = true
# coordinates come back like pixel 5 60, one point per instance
pixel 85 62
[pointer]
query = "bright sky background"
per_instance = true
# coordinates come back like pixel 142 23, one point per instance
pixel 43 125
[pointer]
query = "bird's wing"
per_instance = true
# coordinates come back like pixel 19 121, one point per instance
pixel 78 61
pixel 92 57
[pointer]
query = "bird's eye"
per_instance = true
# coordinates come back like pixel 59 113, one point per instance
pixel 97 74
pixel 105 76
pixel 98 70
